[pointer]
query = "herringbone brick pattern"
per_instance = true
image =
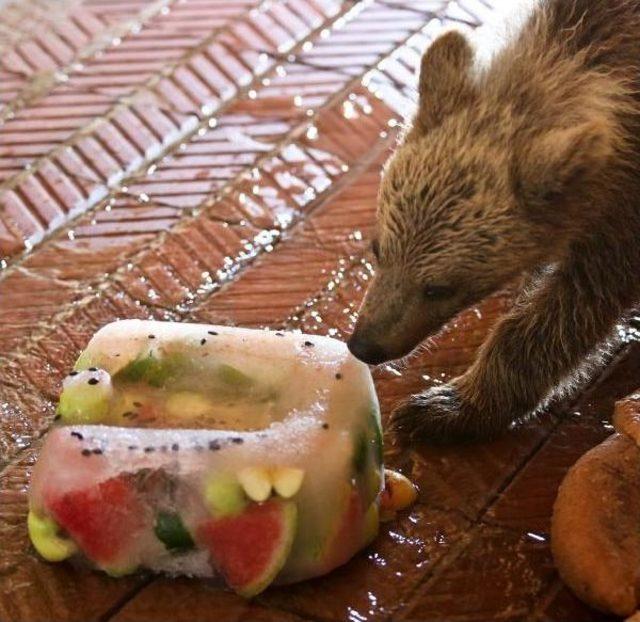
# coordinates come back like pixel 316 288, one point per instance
pixel 218 160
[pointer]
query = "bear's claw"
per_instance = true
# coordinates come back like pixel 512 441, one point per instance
pixel 435 416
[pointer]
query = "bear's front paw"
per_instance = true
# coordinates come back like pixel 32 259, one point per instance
pixel 436 415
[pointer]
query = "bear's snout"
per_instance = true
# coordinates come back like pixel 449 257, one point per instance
pixel 367 351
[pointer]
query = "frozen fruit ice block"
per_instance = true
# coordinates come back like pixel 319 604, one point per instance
pixel 207 450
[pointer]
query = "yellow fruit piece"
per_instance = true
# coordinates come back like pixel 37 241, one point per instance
pixel 399 492
pixel 186 403
pixel 223 495
pixel 256 482
pixel 116 573
pixel 287 480
pixel 43 532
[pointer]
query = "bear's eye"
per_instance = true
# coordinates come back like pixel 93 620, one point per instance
pixel 437 292
pixel 375 248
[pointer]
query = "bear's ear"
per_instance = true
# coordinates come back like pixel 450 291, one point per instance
pixel 551 165
pixel 445 84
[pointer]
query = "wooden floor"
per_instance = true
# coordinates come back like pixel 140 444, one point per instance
pixel 218 161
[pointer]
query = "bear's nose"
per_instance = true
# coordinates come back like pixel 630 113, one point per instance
pixel 367 351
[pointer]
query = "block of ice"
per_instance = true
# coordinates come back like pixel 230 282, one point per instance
pixel 251 455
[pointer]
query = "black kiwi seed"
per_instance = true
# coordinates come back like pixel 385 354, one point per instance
pixel 213 332
pixel 93 381
pixel 338 376
pixel 97 451
pixel 151 336
pixel 279 334
pixel 309 344
pixel 86 452
pixel 77 435
pixel 325 426
pixel 57 417
pixel 93 369
pixel 148 450
pixel 203 341
pixel 237 440
pixel 175 447
pixel 214 445
pixel 74 373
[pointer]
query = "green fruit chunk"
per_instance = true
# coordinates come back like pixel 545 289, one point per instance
pixel 234 377
pixel 146 369
pixel 171 531
pixel 43 533
pixel 376 433
pixel 360 450
pixel 223 495
pixel 366 442
pixel 367 457
pixel 250 549
pixel 85 360
pixel 179 372
pixel 86 397
pixel 116 573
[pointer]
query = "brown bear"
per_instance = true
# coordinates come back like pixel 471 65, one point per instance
pixel 529 164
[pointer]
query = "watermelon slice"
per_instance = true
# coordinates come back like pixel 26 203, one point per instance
pixel 105 521
pixel 338 548
pixel 250 549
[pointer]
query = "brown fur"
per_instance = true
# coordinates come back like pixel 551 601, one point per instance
pixel 530 165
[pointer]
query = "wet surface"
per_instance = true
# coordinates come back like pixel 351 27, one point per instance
pixel 218 161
